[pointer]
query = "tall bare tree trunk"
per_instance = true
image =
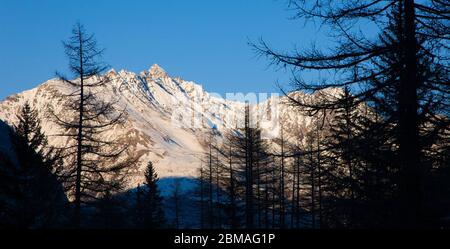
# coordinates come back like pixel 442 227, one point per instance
pixel 249 170
pixel 80 136
pixel 411 187
pixel 282 187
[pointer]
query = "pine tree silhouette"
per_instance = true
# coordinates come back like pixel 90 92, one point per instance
pixel 29 186
pixel 149 201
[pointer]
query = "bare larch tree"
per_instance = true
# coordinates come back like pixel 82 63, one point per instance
pixel 95 163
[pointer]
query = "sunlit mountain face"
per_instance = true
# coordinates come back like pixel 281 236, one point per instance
pixel 168 119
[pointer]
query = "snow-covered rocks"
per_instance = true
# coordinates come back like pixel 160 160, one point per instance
pixel 166 118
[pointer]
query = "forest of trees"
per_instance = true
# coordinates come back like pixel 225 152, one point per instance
pixel 81 183
pixel 33 192
pixel 376 154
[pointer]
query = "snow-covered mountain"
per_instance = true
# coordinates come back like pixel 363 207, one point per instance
pixel 168 119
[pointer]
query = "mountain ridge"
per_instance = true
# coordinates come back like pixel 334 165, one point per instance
pixel 168 119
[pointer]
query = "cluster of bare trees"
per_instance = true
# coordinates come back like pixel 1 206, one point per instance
pixel 378 152
pixel 342 172
pixel 402 74
pixel 233 177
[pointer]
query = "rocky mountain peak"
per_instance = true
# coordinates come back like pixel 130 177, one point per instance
pixel 157 71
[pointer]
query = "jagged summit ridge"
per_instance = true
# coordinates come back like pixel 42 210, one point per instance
pixel 168 119
pixel 157 71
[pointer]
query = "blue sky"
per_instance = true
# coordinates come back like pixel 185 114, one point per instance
pixel 200 40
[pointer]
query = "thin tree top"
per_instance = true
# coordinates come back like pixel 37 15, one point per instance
pixel 357 57
pixel 84 53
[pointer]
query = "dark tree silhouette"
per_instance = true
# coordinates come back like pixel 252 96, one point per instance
pixel 95 163
pixel 341 142
pixel 282 179
pixel 232 206
pixel 210 183
pixel 176 201
pixel 110 213
pixel 201 195
pixel 29 188
pixel 211 167
pixel 403 69
pixel 149 203
pixel 250 156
